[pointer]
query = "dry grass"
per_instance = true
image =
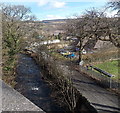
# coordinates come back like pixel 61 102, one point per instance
pixel 101 56
pixel 10 80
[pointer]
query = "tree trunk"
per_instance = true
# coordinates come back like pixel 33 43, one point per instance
pixel 80 51
pixel 80 55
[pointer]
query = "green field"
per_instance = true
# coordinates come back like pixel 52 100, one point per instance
pixel 111 67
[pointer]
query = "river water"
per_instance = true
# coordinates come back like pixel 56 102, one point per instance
pixel 32 86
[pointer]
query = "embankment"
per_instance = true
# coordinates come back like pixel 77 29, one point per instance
pixel 62 87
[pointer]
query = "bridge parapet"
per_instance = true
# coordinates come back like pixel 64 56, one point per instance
pixel 14 101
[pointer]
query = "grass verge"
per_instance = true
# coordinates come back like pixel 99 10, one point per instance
pixel 111 67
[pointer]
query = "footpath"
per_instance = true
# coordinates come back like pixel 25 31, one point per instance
pixel 100 98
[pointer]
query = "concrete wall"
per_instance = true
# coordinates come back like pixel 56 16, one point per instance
pixel 14 101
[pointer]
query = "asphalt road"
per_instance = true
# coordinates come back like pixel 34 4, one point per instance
pixel 14 101
pixel 103 100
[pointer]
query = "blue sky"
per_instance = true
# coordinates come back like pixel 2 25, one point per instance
pixel 59 9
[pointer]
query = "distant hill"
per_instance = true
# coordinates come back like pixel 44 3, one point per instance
pixel 54 21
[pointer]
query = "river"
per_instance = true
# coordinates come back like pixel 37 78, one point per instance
pixel 32 86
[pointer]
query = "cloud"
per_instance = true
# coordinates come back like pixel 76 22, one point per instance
pixel 52 3
pixel 85 0
pixel 51 17
pixel 43 2
pixel 111 13
pixel 58 4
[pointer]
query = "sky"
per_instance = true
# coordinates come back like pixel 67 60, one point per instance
pixel 59 9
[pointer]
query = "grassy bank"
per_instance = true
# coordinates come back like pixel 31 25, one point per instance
pixel 111 67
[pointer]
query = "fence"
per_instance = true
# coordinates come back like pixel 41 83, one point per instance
pixel 101 78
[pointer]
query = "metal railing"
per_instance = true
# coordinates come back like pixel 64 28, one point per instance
pixel 102 77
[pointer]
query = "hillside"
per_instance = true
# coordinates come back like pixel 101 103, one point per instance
pixel 53 26
pixel 54 21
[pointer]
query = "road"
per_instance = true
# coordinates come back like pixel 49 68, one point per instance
pixel 103 100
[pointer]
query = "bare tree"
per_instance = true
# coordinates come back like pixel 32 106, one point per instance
pixel 64 92
pixel 114 5
pixel 94 25
pixel 17 21
pixel 114 36
pixel 76 27
pixel 101 27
